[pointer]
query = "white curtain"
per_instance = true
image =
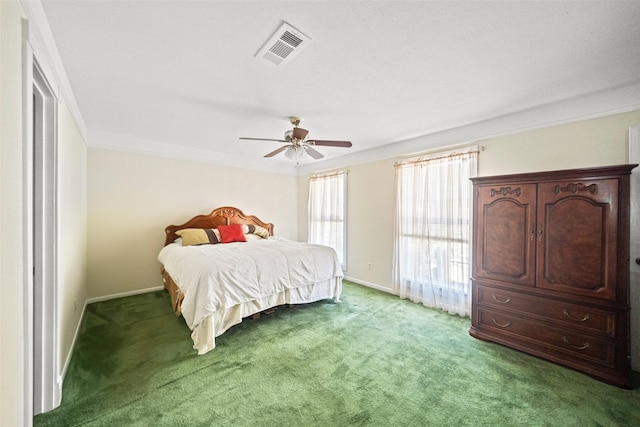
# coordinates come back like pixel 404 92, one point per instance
pixel 433 230
pixel 328 212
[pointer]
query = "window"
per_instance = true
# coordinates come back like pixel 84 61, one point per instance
pixel 328 212
pixel 432 231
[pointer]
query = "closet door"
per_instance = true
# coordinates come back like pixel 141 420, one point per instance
pixel 505 233
pixel 577 233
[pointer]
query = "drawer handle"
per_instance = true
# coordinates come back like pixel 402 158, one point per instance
pixel 502 325
pixel 582 347
pixel 566 313
pixel 499 301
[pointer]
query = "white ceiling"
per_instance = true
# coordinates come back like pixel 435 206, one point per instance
pixel 181 78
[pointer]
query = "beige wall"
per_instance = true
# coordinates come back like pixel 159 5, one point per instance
pixel 72 229
pixel 597 142
pixel 11 215
pixel 133 197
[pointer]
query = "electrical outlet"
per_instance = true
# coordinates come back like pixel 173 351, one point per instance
pixel 369 267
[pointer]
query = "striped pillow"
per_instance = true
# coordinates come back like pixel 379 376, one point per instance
pixel 255 229
pixel 199 236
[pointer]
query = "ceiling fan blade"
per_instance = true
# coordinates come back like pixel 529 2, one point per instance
pixel 313 153
pixel 263 139
pixel 279 150
pixel 299 133
pixel 330 143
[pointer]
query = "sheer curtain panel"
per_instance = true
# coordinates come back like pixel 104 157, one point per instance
pixel 433 230
pixel 328 212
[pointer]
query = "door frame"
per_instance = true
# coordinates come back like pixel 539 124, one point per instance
pixel 44 196
pixel 42 387
pixel 634 292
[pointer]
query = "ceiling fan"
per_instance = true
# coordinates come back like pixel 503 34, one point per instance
pixel 297 143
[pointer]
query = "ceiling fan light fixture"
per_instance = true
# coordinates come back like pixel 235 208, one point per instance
pixel 294 153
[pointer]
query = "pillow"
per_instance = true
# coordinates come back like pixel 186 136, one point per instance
pixel 199 236
pixel 255 229
pixel 231 233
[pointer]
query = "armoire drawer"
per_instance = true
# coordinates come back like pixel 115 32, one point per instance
pixel 574 316
pixel 557 341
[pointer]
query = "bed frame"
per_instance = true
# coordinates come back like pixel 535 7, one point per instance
pixel 225 215
pixel 204 333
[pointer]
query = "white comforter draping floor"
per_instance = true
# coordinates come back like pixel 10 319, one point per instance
pixel 225 282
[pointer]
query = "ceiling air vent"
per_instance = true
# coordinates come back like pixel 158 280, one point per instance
pixel 283 45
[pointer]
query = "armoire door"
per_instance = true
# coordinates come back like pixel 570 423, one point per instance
pixel 577 235
pixel 505 233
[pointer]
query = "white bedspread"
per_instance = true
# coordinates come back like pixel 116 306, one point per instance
pixel 216 278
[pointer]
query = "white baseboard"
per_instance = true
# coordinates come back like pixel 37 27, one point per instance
pixel 124 294
pixel 76 334
pixel 370 285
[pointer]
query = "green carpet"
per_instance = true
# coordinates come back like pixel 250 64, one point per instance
pixel 373 359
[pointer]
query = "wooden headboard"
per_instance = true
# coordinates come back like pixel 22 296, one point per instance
pixel 221 216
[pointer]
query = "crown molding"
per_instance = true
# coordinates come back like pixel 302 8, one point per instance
pixel 594 106
pixel 601 104
pixel 118 142
pixel 48 57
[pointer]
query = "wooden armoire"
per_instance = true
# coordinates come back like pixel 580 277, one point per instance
pixel 550 267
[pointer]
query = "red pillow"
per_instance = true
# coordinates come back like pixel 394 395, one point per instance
pixel 231 233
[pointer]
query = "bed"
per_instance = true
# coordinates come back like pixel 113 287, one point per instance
pixel 216 279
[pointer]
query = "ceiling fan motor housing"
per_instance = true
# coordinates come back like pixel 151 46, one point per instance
pixel 299 133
